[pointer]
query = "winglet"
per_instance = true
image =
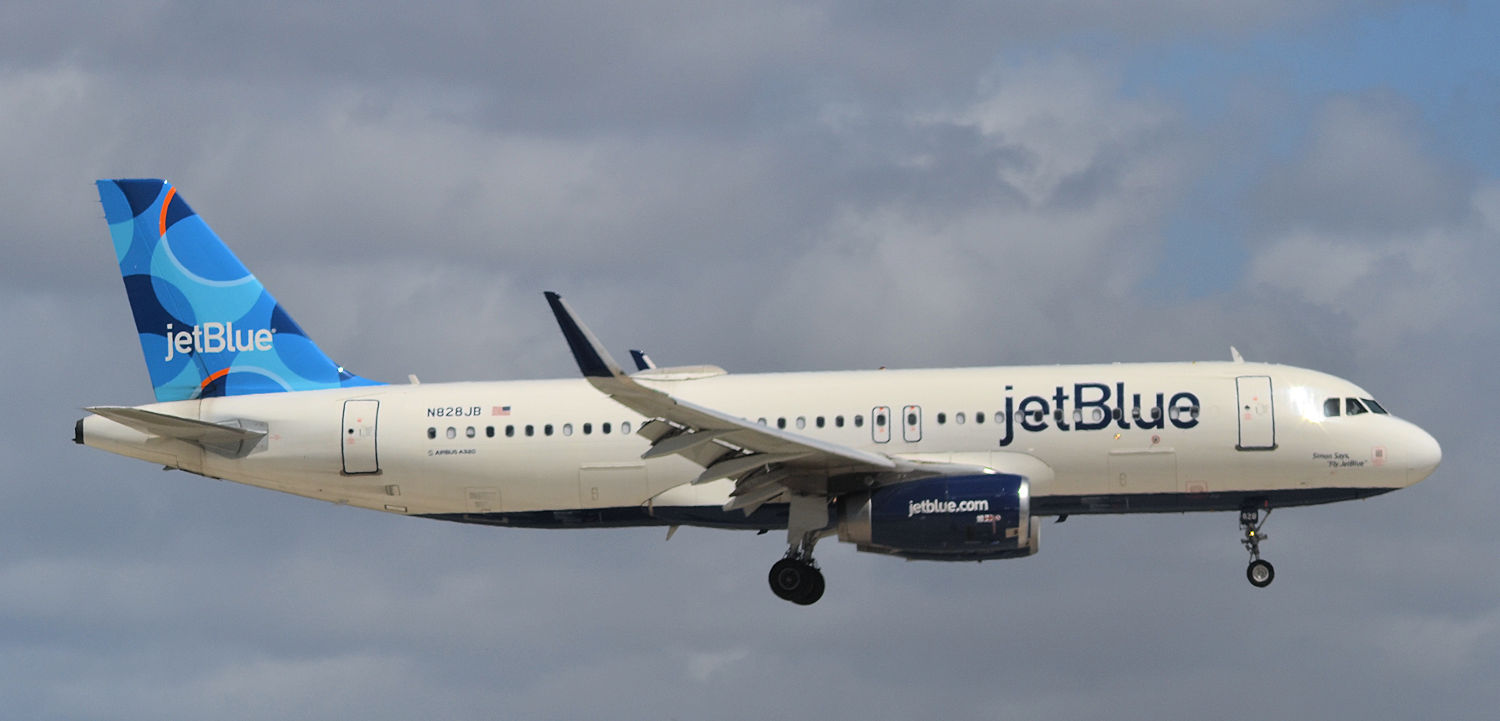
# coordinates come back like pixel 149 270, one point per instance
pixel 592 359
pixel 642 361
pixel 1234 355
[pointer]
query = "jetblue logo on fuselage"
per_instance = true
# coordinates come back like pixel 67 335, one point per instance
pixel 213 337
pixel 1094 407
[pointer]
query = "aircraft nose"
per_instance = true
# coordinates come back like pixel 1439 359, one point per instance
pixel 1423 454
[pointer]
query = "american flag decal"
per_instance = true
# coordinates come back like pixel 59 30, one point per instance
pixel 500 410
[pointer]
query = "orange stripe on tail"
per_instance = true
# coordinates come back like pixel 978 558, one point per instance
pixel 165 203
pixel 217 375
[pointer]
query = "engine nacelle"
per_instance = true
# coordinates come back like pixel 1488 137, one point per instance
pixel 948 518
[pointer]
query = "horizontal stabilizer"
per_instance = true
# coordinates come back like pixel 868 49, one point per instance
pixel 226 440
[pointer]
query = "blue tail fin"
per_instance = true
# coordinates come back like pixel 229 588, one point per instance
pixel 207 326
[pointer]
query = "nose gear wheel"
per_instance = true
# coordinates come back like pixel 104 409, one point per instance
pixel 1260 573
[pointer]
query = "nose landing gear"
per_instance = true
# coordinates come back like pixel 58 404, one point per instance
pixel 1260 573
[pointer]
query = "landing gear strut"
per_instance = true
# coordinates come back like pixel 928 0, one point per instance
pixel 796 577
pixel 1260 573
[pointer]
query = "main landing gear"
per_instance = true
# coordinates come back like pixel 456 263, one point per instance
pixel 797 579
pixel 1259 572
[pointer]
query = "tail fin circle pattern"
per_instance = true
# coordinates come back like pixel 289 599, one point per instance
pixel 207 326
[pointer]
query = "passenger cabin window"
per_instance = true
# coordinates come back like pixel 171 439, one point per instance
pixel 604 428
pixel 431 433
pixel 588 428
pixel 489 431
pixel 510 431
pixel 1352 407
pixel 958 418
pixel 451 433
pixel 942 418
pixel 625 428
pixel 1331 408
pixel 838 421
pixel 979 417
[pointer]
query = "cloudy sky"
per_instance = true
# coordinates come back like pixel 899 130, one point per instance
pixel 764 186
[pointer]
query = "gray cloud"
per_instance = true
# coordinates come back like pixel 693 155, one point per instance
pixel 1364 169
pixel 767 188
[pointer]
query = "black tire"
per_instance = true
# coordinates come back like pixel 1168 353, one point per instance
pixel 789 579
pixel 813 589
pixel 1260 573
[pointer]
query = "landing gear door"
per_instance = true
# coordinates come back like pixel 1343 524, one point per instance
pixel 1257 413
pixel 360 421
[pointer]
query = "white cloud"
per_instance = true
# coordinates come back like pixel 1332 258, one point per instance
pixel 1095 174
pixel 1390 285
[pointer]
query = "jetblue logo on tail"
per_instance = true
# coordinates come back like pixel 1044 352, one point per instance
pixel 214 337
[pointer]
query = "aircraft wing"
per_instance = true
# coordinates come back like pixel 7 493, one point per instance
pixel 763 461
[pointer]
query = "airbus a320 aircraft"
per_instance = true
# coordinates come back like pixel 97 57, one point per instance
pixel 952 464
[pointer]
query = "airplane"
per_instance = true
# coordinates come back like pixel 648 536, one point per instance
pixel 956 464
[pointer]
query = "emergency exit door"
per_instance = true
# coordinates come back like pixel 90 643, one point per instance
pixel 360 451
pixel 1257 413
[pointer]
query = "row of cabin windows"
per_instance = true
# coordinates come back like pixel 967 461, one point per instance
pixel 1351 407
pixel 822 421
pixel 878 418
pixel 1096 415
pixel 529 430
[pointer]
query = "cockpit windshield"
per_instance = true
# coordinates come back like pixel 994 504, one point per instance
pixel 1334 407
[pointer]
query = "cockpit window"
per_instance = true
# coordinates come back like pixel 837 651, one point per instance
pixel 1331 407
pixel 1352 407
pixel 1375 407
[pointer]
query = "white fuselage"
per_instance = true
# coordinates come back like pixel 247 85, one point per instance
pixel 560 453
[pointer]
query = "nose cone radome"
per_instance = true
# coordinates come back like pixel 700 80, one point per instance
pixel 1423 454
